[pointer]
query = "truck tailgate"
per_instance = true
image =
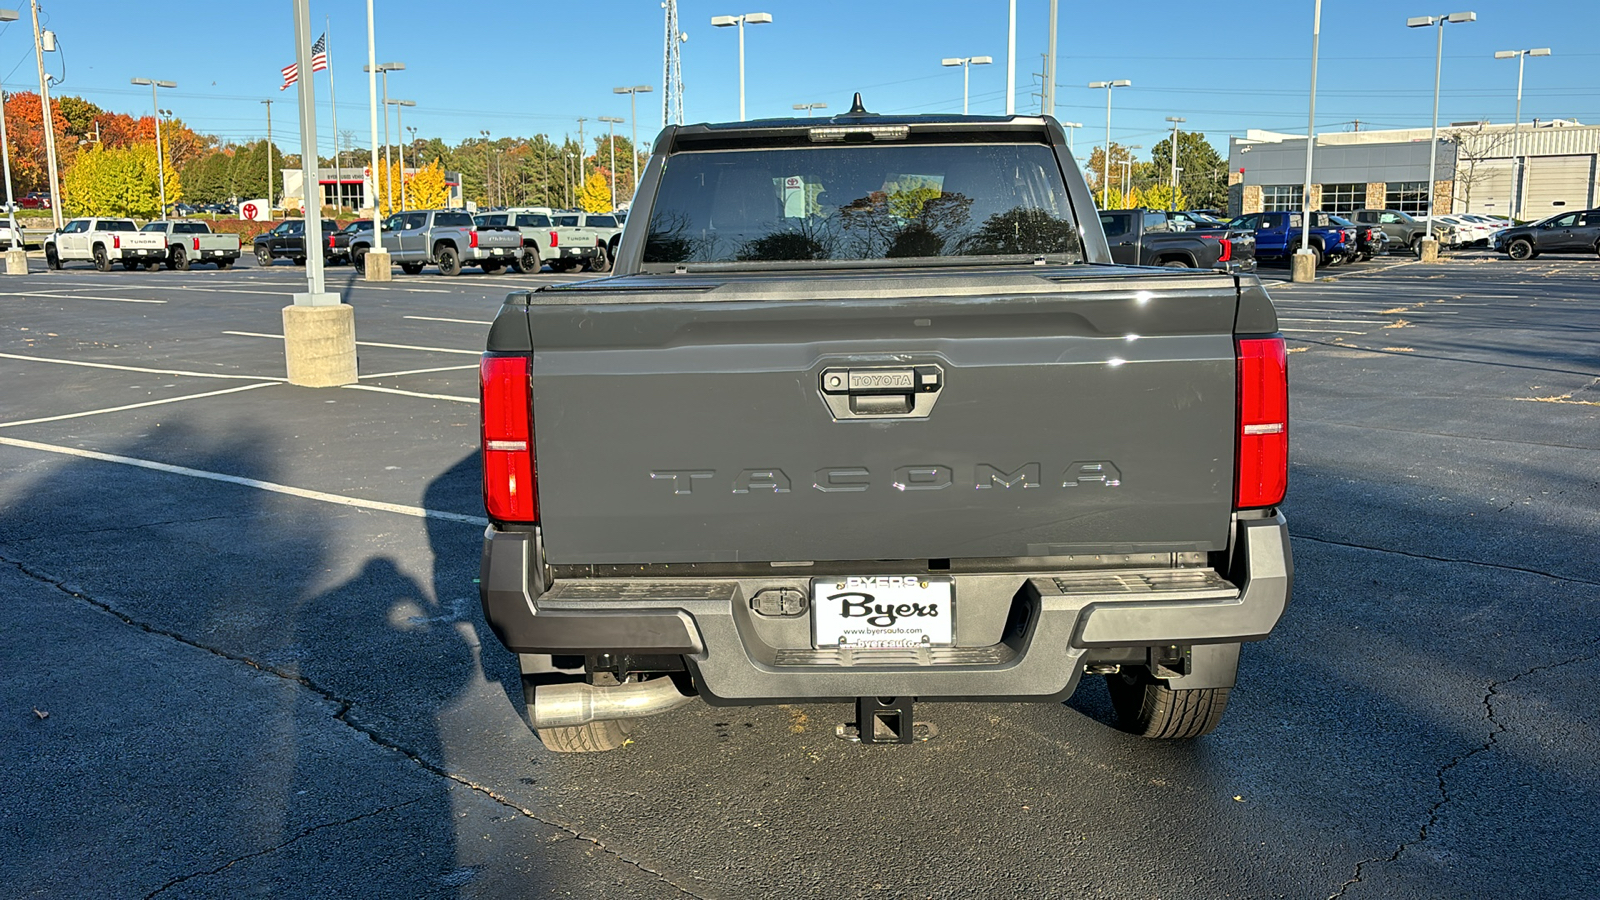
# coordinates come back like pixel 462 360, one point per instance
pixel 689 418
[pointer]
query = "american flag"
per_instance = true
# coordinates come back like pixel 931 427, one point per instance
pixel 319 63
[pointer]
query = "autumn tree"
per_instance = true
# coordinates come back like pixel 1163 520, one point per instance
pixel 426 188
pixel 25 131
pixel 595 195
pixel 119 182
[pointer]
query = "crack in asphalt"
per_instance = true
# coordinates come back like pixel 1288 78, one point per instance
pixel 1444 559
pixel 342 708
pixel 1434 811
pixel 279 846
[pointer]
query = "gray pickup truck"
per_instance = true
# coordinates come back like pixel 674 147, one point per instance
pixel 448 238
pixel 868 414
pixel 190 242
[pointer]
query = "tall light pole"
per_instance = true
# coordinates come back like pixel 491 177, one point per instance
pixel 1311 144
pixel 9 15
pixel 1517 165
pixel 966 63
pixel 488 196
pixel 161 163
pixel 741 21
pixel 808 107
pixel 633 123
pixel 612 121
pixel 1172 199
pixel 1105 175
pixel 1438 69
pixel 400 125
pixel 1011 60
pixel 269 156
pixel 377 260
pixel 388 159
pixel 1050 64
pixel 1072 134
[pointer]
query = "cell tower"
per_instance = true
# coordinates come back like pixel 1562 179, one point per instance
pixel 672 69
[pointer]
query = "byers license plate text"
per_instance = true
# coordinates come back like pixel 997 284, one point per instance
pixel 882 611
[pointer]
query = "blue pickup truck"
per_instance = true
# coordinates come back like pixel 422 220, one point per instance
pixel 1278 237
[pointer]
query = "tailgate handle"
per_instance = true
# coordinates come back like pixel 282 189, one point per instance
pixel 877 392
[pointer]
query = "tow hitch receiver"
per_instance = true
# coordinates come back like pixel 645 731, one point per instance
pixel 881 720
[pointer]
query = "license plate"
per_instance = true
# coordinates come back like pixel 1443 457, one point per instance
pixel 882 611
pixel 497 251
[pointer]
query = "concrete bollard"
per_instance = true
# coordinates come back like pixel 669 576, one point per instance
pixel 1305 266
pixel 1428 249
pixel 319 344
pixel 377 263
pixel 16 261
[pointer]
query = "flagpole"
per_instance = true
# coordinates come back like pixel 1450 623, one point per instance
pixel 333 98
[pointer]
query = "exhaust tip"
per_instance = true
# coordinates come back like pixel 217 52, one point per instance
pixel 567 705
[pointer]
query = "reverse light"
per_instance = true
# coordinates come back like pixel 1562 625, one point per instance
pixel 1263 462
pixel 510 488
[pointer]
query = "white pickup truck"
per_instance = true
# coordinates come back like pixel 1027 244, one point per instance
pixel 190 242
pixel 103 241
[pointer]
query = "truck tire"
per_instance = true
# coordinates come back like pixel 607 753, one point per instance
pixel 1147 707
pixel 263 255
pixel 358 260
pixel 224 264
pixel 411 268
pixel 180 259
pixel 491 266
pixel 299 260
pixel 101 260
pixel 1521 249
pixel 129 265
pixel 449 260
pixel 529 262
pixel 1175 264
pixel 52 259
pixel 599 262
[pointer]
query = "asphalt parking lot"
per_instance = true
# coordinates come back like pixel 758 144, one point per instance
pixel 241 652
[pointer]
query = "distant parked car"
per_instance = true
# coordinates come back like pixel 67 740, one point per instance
pixel 1572 232
pixel 289 239
pixel 190 242
pixel 104 241
pixel 34 200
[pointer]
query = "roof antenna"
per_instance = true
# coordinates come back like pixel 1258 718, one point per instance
pixel 856 109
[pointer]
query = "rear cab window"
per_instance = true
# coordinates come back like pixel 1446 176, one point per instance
pixel 452 220
pixel 845 203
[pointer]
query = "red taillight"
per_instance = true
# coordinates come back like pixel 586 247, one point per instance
pixel 330 242
pixel 116 242
pixel 510 491
pixel 555 239
pixel 473 241
pixel 1227 249
pixel 197 244
pixel 1263 472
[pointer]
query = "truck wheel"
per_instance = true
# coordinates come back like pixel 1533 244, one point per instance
pixel 180 259
pixel 358 260
pixel 299 260
pixel 599 262
pixel 1175 264
pixel 52 259
pixel 411 268
pixel 1147 707
pixel 101 260
pixel 449 261
pixel 1521 249
pixel 224 264
pixel 528 263
pixel 491 266
pixel 263 255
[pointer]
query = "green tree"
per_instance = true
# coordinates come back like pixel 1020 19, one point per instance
pixel 120 182
pixel 1204 179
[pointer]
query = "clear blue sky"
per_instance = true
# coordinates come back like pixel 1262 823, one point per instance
pixel 519 68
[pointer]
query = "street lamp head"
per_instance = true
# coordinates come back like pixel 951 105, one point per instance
pixel 758 18
pixel 1507 54
pixel 1176 119
pixel 1071 124
pixel 724 21
pixel 402 103
pixel 138 81
pixel 9 15
pixel 982 60
pixel 1096 85
pixel 1456 18
pixel 1122 83
pixel 951 61
pixel 1542 51
pixel 612 119
pixel 1421 21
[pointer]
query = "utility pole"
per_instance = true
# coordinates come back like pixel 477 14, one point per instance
pixel 1172 199
pixel 612 121
pixel 269 156
pixel 488 183
pixel 49 121
pixel 333 103
pixel 161 164
pixel 582 149
pixel 400 124
pixel 319 331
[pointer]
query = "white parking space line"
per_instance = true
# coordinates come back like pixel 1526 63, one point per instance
pixel 1336 321
pixel 231 291
pixel 112 409
pixel 38 296
pixel 458 321
pixel 367 287
pixel 279 337
pixel 384 390
pixel 93 365
pixel 420 371
pixel 340 499
pixel 1319 331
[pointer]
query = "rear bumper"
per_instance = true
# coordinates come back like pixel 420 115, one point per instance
pixel 141 253
pixel 1020 636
